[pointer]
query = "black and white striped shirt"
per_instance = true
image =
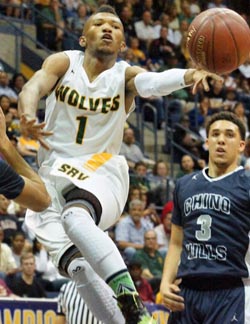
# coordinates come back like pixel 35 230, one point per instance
pixel 72 306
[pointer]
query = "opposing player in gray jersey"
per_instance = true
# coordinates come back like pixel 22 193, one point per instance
pixel 90 97
pixel 206 276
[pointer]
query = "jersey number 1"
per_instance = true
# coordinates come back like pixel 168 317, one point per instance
pixel 81 129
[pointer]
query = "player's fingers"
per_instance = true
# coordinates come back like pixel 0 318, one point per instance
pixel 173 305
pixel 43 143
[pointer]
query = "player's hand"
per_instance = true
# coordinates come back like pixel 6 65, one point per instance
pixel 35 130
pixel 170 296
pixel 200 77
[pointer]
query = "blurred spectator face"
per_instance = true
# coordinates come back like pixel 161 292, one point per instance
pixel 141 170
pixel 148 4
pixel 8 118
pixel 126 13
pixel 239 110
pixel 129 136
pixel 184 25
pixel 162 169
pixel 19 82
pixel 4 79
pixel 187 163
pixel 135 271
pixel 150 240
pixel 28 266
pixel 136 211
pixel 135 194
pixel 5 103
pixel 4 204
pixel 164 33
pixel 134 43
pixel 18 243
pixel 147 18
pixel 82 10
pixel 164 20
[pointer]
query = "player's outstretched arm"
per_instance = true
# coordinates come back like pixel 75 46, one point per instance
pixel 169 288
pixel 147 84
pixel 41 84
pixel 34 194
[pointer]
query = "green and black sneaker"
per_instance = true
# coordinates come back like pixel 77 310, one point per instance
pixel 133 309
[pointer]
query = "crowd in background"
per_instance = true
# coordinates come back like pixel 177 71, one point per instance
pixel 156 33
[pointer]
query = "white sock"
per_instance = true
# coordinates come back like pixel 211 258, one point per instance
pixel 95 292
pixel 96 246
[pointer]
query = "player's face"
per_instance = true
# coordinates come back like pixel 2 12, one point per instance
pixel 103 35
pixel 224 143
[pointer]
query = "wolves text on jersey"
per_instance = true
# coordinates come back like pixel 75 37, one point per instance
pixel 75 99
pixel 207 201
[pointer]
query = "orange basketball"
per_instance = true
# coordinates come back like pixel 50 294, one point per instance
pixel 218 40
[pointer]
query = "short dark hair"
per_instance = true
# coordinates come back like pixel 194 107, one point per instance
pixel 226 115
pixel 107 9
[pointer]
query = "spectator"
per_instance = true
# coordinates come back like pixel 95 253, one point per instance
pixel 217 95
pixel 17 247
pixel 163 230
pixel 67 313
pixel 9 223
pixel 161 185
pixel 151 260
pixel 198 115
pixel 131 150
pixel 48 273
pixel 186 13
pixel 5 290
pixel 129 232
pixel 50 29
pixel 7 262
pixel 26 284
pixel 139 177
pixel 187 139
pixel 139 55
pixel 142 285
pixel 161 49
pixel 5 102
pixel 17 82
pixel 76 24
pixel 145 31
pixel 240 111
pixel 5 88
pixel 188 165
pixel 128 23
pixel 216 4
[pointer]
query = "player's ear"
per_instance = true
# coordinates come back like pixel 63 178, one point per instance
pixel 123 47
pixel 82 41
pixel 242 146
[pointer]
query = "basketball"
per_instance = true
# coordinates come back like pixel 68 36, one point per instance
pixel 218 40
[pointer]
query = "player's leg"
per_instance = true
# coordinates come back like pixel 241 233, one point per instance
pixel 81 213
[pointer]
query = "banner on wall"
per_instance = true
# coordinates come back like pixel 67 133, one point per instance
pixel 27 311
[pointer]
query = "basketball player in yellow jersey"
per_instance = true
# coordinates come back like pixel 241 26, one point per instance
pixel 90 96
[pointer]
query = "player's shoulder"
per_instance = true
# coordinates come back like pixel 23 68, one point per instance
pixel 194 176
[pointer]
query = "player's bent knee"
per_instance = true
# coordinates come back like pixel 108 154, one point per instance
pixel 71 254
pixel 77 196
